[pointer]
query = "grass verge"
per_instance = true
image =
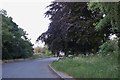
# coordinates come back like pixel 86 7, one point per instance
pixel 92 66
pixel 40 55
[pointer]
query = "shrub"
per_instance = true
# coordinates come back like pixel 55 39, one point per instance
pixel 111 46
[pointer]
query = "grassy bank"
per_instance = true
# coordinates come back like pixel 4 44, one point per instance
pixel 92 66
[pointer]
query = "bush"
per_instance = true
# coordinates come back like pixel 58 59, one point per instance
pixel 47 52
pixel 110 46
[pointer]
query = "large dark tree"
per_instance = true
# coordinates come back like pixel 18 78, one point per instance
pixel 72 28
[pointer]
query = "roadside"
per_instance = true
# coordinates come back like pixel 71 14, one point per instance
pixel 62 75
pixel 35 56
pixel 92 66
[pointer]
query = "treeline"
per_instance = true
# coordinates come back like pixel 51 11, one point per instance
pixel 15 43
pixel 39 49
pixel 81 27
pixel 42 50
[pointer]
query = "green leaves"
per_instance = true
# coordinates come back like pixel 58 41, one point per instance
pixel 103 22
pixel 15 43
pixel 80 27
pixel 109 47
pixel 71 28
pixel 110 22
pixel 112 12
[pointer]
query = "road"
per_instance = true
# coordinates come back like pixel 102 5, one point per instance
pixel 37 68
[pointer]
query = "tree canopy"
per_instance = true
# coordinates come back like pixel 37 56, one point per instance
pixel 15 43
pixel 72 28
pixel 111 13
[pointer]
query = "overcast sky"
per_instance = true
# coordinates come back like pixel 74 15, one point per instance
pixel 29 15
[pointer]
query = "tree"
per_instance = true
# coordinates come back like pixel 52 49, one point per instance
pixel 111 14
pixel 111 17
pixel 15 43
pixel 72 29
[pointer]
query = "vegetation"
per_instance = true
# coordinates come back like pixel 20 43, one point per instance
pixel 85 29
pixel 92 66
pixel 41 52
pixel 82 29
pixel 40 55
pixel 105 64
pixel 110 46
pixel 111 14
pixel 15 43
pixel 73 28
pixel 39 49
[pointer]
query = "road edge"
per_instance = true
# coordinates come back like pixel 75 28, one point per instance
pixel 13 60
pixel 53 70
pixel 19 60
pixel 58 73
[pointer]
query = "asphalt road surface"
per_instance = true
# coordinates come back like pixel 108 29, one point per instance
pixel 37 68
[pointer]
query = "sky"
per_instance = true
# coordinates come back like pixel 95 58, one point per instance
pixel 29 15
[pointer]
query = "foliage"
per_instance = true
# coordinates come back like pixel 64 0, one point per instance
pixel 38 49
pixel 71 29
pixel 111 13
pixel 15 43
pixel 110 46
pixel 92 66
pixel 46 51
pixel 80 28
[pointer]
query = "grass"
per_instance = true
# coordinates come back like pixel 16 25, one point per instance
pixel 92 66
pixel 40 55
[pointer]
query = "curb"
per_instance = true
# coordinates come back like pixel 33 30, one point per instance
pixel 19 60
pixel 60 74
pixel 55 72
pixel 14 60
